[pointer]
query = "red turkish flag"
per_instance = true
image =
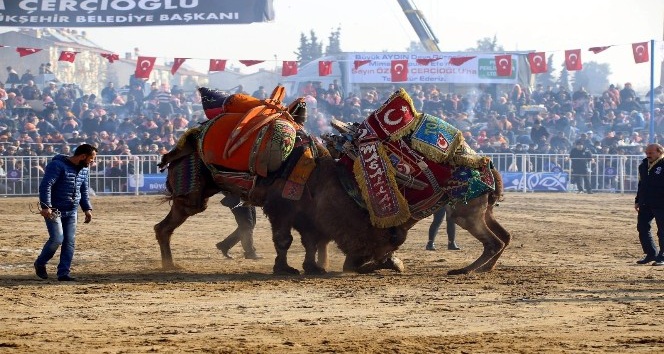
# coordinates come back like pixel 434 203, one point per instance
pixel 289 68
pixel 177 63
pixel 399 70
pixel 537 62
pixel 573 60
pixel 504 65
pixel 598 49
pixel 26 51
pixel 640 51
pixel 217 65
pixel 66 55
pixel 324 68
pixel 251 62
pixel 426 61
pixel 144 67
pixel 458 61
pixel 111 57
pixel 359 63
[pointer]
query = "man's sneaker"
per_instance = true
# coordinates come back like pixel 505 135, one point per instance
pixel 658 263
pixel 41 271
pixel 66 278
pixel 646 260
pixel 430 246
pixel 224 250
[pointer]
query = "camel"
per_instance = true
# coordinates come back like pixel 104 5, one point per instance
pixel 368 242
pixel 315 217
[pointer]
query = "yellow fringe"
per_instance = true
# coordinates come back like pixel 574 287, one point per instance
pixel 404 210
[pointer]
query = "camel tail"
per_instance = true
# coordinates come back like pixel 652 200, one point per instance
pixel 497 194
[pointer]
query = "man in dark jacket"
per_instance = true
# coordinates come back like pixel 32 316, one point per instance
pixel 63 188
pixel 649 203
pixel 581 159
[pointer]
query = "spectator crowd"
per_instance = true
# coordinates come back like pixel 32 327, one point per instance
pixel 58 117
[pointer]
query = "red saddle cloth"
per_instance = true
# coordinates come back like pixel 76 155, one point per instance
pixel 247 134
pixel 257 145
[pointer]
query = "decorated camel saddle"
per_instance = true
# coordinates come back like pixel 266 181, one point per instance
pixel 246 138
pixel 407 164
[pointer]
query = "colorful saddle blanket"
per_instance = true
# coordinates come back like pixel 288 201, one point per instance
pixel 408 165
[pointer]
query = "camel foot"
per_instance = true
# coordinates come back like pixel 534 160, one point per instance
pixel 284 270
pixel 313 269
pixel 393 263
pixel 458 271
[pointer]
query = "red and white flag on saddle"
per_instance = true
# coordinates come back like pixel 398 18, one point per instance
pixel 177 63
pixel 144 66
pixel 111 57
pixel 537 62
pixel 26 51
pixel 399 70
pixel 66 55
pixel 289 68
pixel 217 65
pixel 640 51
pixel 504 65
pixel 324 68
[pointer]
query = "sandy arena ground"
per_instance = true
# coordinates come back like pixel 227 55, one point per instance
pixel 567 284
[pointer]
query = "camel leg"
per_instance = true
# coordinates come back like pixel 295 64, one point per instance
pixel 178 214
pixel 501 233
pixel 310 237
pixel 322 261
pixel 310 247
pixel 281 220
pixel 471 217
pixel 282 241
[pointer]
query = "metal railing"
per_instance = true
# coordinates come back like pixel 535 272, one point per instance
pixel 139 174
pixel 110 174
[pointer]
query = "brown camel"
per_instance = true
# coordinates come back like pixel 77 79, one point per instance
pixel 316 217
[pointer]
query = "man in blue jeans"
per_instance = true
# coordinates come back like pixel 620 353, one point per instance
pixel 649 203
pixel 63 188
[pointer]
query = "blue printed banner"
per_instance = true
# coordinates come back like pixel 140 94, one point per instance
pixel 148 183
pixel 537 181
